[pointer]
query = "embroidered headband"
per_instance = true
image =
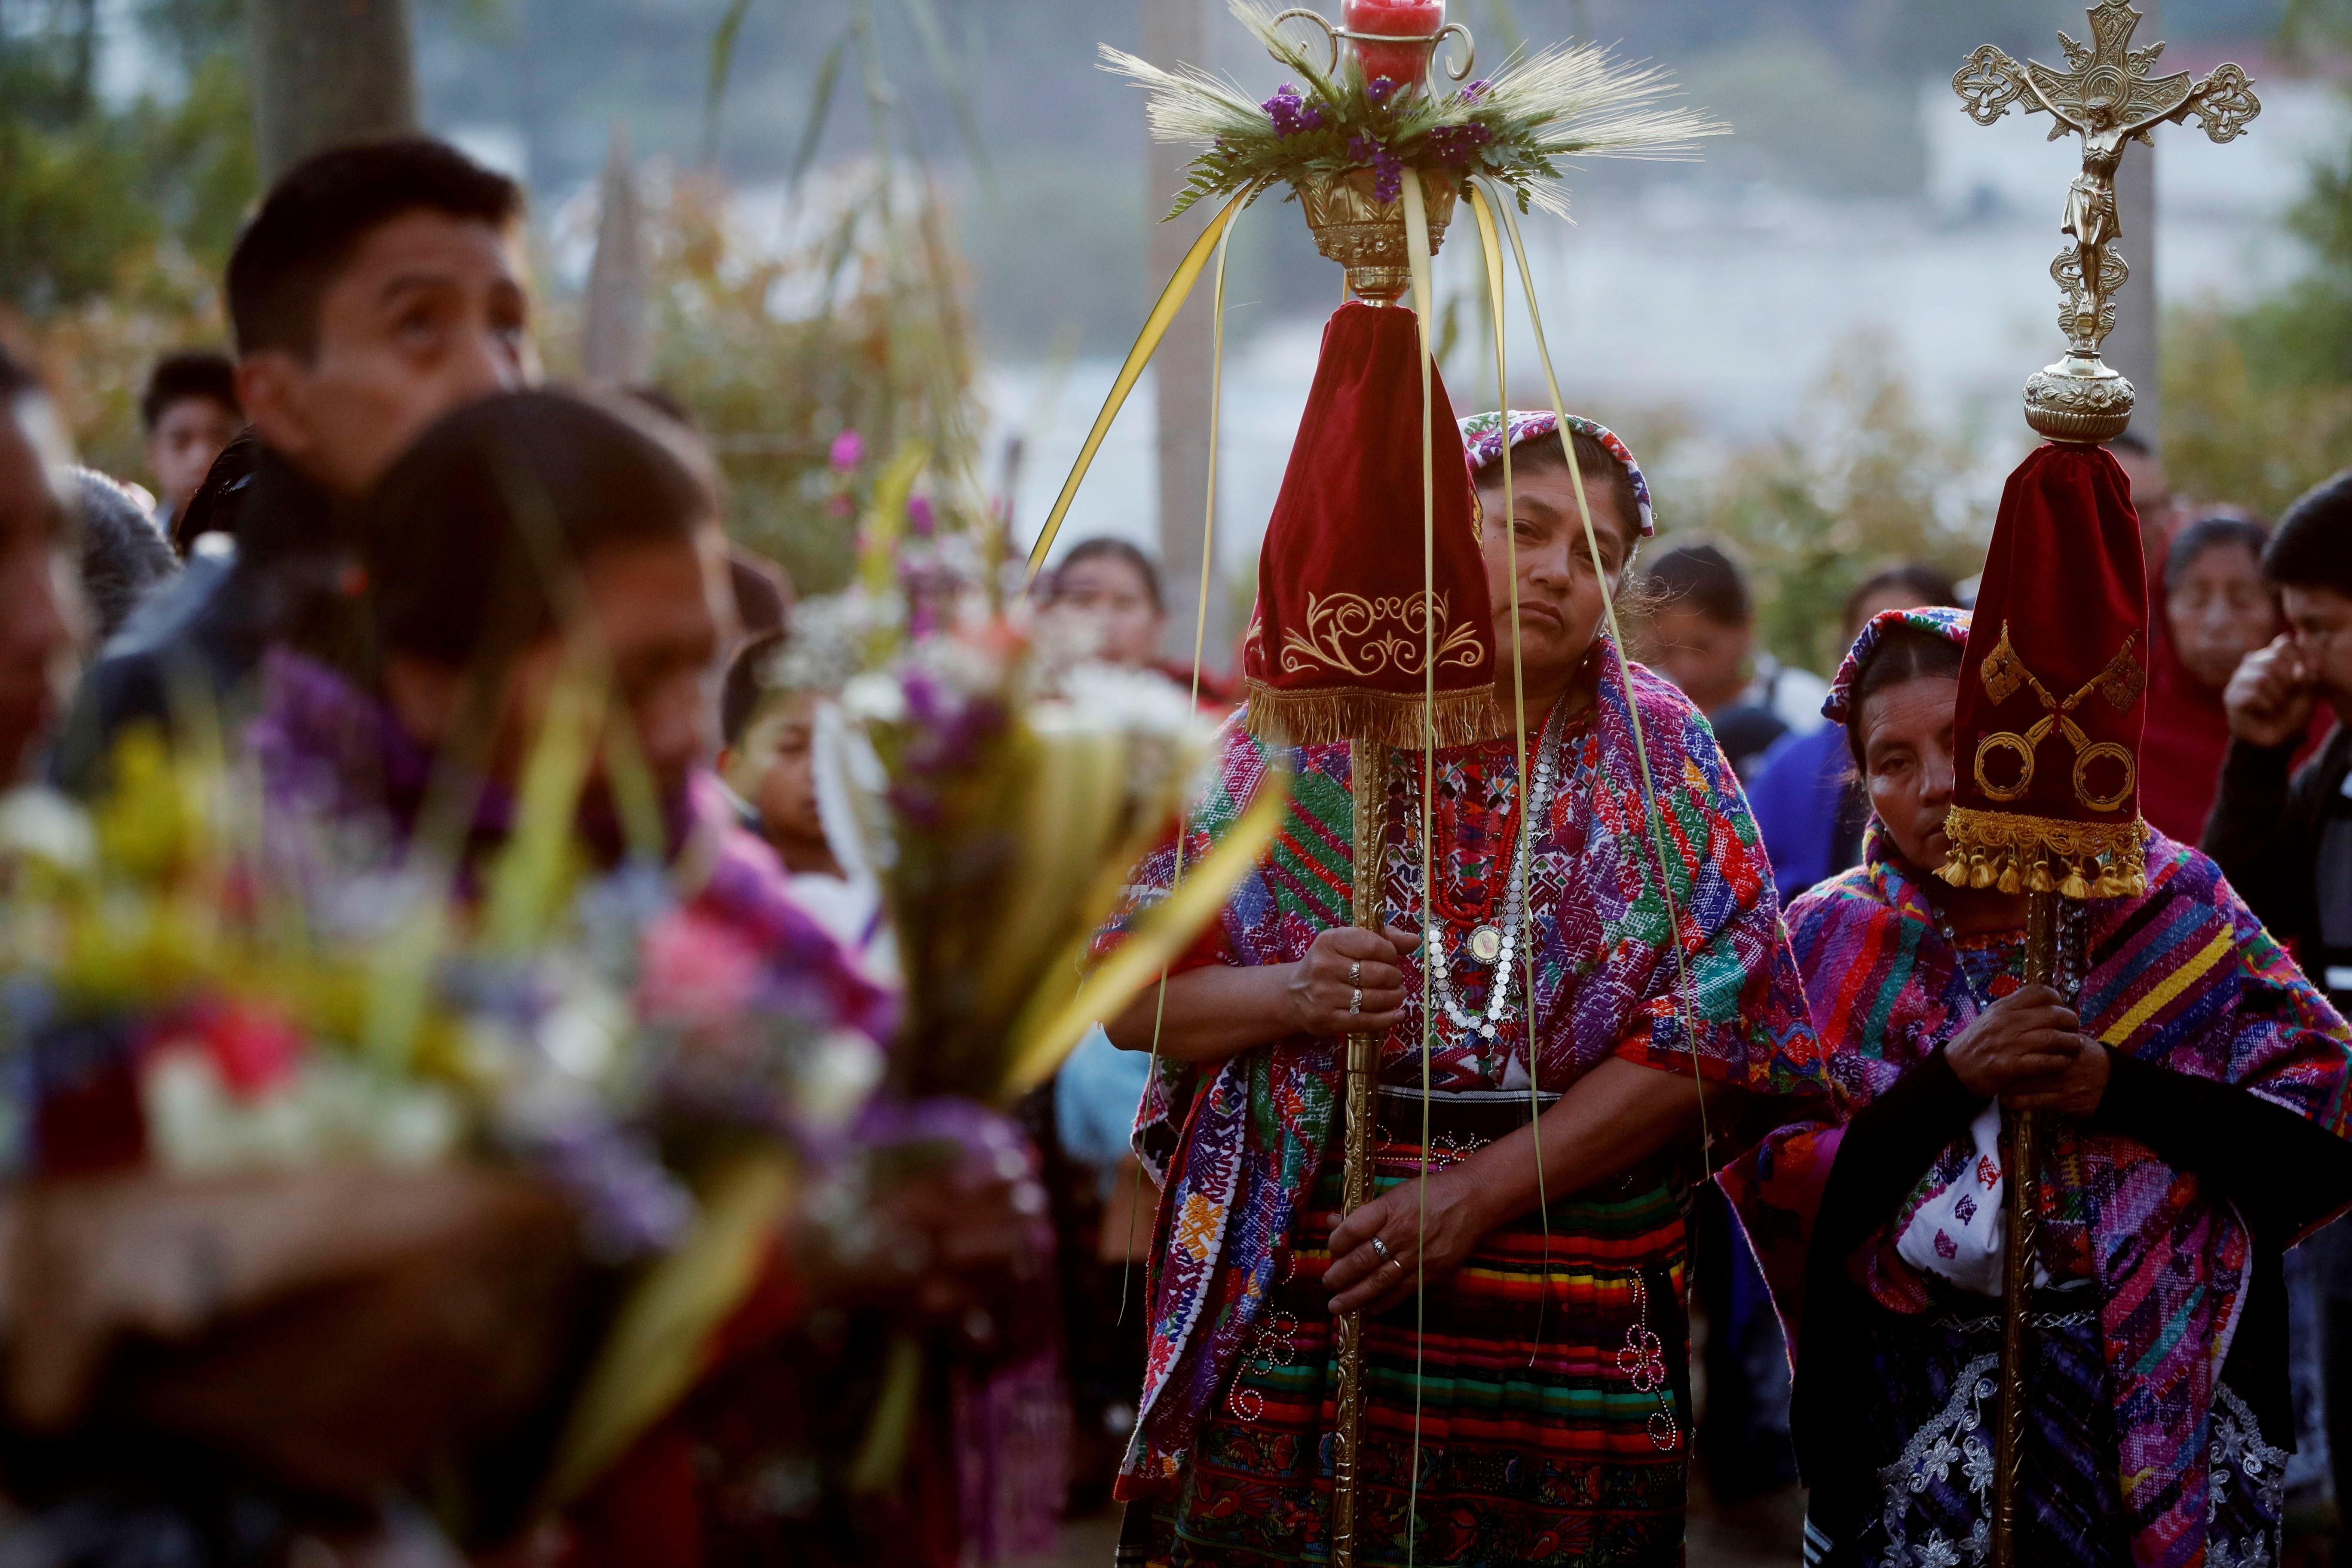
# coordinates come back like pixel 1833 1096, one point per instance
pixel 1935 620
pixel 1482 443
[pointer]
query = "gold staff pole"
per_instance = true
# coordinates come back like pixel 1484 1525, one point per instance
pixel 2022 1163
pixel 1367 237
pixel 1368 768
pixel 2107 96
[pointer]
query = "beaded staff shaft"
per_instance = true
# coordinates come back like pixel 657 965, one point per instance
pixel 2021 1164
pixel 1366 768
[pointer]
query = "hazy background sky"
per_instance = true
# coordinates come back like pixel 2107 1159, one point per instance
pixel 1853 200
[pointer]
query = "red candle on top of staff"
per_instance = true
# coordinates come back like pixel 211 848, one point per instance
pixel 1401 63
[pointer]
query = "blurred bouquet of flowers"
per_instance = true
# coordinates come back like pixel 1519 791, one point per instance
pixel 175 996
pixel 190 993
pixel 1003 804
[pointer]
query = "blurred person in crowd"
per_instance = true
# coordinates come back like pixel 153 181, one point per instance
pixel 777 691
pixel 1104 1204
pixel 123 555
pixel 41 614
pixel 2191 1141
pixel 2152 498
pixel 464 643
pixel 1112 590
pixel 1702 637
pixel 190 414
pixel 1810 809
pixel 2283 834
pixel 767 756
pixel 2214 607
pixel 378 286
pixel 1808 799
pixel 1102 1200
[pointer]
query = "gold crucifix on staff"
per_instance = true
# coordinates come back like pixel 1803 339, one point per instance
pixel 2108 97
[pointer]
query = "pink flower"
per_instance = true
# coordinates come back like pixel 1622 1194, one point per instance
pixel 697 971
pixel 848 450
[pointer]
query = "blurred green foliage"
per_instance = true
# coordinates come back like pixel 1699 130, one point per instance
pixel 2258 398
pixel 777 349
pixel 1870 484
pixel 116 218
pixel 89 192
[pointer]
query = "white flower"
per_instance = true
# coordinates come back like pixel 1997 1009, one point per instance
pixel 874 699
pixel 329 1108
pixel 1936 1553
pixel 1137 700
pixel 1976 1465
pixel 41 823
pixel 835 1076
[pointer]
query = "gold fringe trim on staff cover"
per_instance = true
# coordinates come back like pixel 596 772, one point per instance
pixel 2020 854
pixel 1332 714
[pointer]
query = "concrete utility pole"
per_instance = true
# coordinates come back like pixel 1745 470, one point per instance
pixel 1176 31
pixel 616 337
pixel 2132 348
pixel 325 72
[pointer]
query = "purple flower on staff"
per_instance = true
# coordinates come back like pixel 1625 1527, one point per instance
pixel 1475 91
pixel 1379 90
pixel 1291 113
pixel 1387 167
pixel 847 451
pixel 920 519
pixel 1454 144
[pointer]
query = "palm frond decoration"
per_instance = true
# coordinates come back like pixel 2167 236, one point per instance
pixel 1562 101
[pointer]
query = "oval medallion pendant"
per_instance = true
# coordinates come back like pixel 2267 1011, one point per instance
pixel 1486 944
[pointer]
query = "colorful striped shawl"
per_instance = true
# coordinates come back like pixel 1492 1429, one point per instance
pixel 1237 1144
pixel 2183 977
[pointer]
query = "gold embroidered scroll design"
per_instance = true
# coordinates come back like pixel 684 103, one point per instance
pixel 2120 683
pixel 1368 637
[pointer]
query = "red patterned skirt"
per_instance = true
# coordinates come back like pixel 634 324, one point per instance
pixel 1549 1381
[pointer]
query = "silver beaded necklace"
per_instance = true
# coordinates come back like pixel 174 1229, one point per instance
pixel 2067 982
pixel 1493 942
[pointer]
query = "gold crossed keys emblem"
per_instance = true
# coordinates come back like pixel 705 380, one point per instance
pixel 2120 683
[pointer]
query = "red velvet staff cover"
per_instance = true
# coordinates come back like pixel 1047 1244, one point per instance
pixel 2054 693
pixel 1334 650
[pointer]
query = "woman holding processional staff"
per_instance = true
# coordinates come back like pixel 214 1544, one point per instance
pixel 1541 1381
pixel 2192 1086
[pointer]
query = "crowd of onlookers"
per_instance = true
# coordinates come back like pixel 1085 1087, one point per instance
pixel 351 485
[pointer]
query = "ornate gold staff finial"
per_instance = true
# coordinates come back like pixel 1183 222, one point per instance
pixel 2107 97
